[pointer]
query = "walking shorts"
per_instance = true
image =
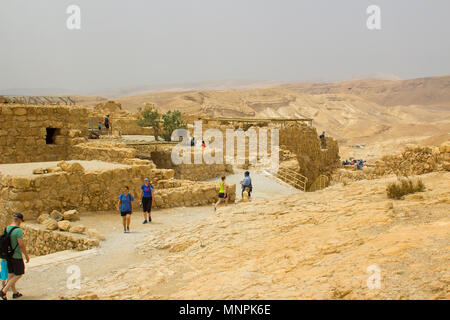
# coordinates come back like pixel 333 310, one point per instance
pixel 16 266
pixel 147 204
pixel 124 213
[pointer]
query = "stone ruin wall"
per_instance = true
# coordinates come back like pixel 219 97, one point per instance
pixel 47 241
pixel 312 160
pixel 97 191
pixel 120 120
pixel 160 155
pixel 300 140
pixel 23 139
pixel 154 154
pixel 124 125
pixel 23 132
pixel 102 150
pixel 202 171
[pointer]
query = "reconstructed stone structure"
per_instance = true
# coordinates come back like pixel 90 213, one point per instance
pixel 33 133
pixel 74 187
pixel 48 163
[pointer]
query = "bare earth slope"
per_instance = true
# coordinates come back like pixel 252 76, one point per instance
pixel 380 115
pixel 432 91
pixel 305 246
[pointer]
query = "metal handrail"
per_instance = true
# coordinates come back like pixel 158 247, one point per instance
pixel 293 178
pixel 320 183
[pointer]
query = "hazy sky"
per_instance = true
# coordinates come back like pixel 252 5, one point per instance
pixel 145 42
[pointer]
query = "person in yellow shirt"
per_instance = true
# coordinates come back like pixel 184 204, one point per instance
pixel 245 194
pixel 222 193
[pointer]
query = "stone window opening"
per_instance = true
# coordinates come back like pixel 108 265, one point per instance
pixel 51 134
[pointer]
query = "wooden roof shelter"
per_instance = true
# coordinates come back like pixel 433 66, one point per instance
pixel 281 121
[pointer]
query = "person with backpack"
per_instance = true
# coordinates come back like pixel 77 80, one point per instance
pixel 125 207
pixel 146 200
pixel 12 246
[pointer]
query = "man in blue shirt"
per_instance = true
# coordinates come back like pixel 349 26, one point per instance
pixel 146 200
pixel 125 207
pixel 246 183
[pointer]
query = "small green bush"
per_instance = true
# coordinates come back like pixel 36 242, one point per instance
pixel 402 187
pixel 150 117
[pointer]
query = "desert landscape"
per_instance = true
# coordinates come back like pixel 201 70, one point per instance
pixel 320 239
pixel 379 115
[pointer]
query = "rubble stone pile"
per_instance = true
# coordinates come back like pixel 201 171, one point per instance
pixel 413 160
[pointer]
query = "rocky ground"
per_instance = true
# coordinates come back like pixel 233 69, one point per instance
pixel 320 245
pixel 46 276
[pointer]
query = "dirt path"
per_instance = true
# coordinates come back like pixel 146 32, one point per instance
pixel 47 276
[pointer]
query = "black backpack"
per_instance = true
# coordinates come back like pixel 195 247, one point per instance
pixel 6 250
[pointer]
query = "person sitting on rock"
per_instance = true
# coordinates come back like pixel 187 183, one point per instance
pixel 222 193
pixel 125 207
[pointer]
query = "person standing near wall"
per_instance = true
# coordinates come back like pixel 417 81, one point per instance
pixel 146 200
pixel 323 142
pixel 247 183
pixel 125 207
pixel 16 267
pixel 107 123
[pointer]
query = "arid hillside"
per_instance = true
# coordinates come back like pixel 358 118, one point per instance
pixel 368 117
pixel 320 245
pixel 433 91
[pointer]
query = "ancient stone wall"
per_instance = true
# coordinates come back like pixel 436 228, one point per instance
pixel 413 160
pixel 298 138
pixel 85 191
pixel 129 126
pixel 41 241
pixel 102 150
pixel 40 133
pixel 160 154
pixel 312 160
pixel 197 172
pixel 120 120
pixel 96 190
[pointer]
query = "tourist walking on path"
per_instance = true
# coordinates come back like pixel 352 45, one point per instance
pixel 147 200
pixel 247 183
pixel 125 207
pixel 222 193
pixel 15 265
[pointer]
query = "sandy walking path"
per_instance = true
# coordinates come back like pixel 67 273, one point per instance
pixel 46 276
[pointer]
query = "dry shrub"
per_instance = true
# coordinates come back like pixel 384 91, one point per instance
pixel 402 187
